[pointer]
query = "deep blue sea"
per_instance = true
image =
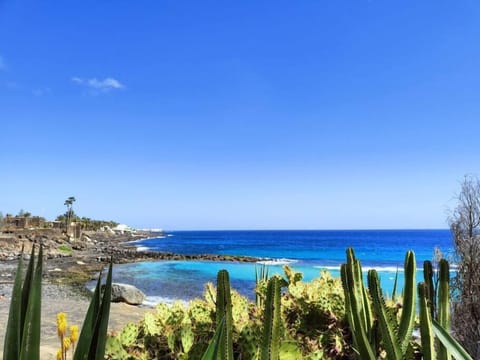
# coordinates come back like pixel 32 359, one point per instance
pixel 306 251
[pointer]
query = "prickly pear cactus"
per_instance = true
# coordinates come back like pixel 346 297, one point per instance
pixel 248 342
pixel 114 349
pixel 150 325
pixel 129 335
pixel 186 336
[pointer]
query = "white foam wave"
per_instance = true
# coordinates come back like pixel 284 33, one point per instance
pixel 152 301
pixel 282 261
pixel 364 268
pixel 142 248
pixel 143 239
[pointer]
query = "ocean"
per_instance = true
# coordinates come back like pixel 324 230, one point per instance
pixel 306 251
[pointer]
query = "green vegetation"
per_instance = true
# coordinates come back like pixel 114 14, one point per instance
pixel 305 322
pixel 22 337
pixel 93 337
pixel 223 315
pixel 376 327
pixel 384 331
pixel 326 318
pixel 317 320
pixel 90 224
pixel 65 248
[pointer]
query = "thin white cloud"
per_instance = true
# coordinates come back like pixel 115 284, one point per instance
pixel 104 85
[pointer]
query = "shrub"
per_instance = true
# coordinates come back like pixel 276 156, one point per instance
pixel 313 320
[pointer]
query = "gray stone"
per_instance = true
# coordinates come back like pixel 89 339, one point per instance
pixel 127 293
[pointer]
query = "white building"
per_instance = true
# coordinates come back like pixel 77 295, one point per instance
pixel 122 229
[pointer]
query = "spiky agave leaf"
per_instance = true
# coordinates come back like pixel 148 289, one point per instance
pixel 457 351
pixel 92 341
pixel 30 346
pixel 86 334
pixel 99 340
pixel 13 335
pixel 27 285
pixel 213 348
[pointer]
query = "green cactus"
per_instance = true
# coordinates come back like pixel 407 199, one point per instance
pixel 407 320
pixel 261 276
pixel 150 325
pixel 270 345
pixel 248 342
pixel 428 275
pixel 224 315
pixel 426 330
pixel 439 299
pixel 386 321
pixel 395 284
pixel 114 349
pixel 443 315
pixel 129 335
pixel 395 337
pixel 357 306
pixel 187 337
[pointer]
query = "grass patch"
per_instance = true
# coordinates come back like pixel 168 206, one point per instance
pixel 66 249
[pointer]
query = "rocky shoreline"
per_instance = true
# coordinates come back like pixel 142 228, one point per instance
pixel 68 266
pixel 75 262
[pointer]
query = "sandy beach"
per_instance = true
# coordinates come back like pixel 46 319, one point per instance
pixel 58 298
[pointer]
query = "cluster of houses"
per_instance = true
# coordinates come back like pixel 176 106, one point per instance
pixel 12 224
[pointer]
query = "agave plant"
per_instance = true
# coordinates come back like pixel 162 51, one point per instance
pixel 22 337
pixel 93 337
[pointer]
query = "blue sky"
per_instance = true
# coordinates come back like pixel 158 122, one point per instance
pixel 239 115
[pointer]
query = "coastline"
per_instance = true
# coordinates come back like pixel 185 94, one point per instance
pixel 66 275
pixel 89 256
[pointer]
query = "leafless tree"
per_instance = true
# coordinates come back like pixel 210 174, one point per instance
pixel 465 226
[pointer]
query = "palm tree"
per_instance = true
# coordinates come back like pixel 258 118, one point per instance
pixel 69 203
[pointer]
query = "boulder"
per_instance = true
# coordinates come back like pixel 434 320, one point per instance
pixel 127 293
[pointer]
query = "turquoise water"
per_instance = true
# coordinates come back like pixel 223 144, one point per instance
pixel 306 251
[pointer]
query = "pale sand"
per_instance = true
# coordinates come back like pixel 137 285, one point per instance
pixel 61 299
